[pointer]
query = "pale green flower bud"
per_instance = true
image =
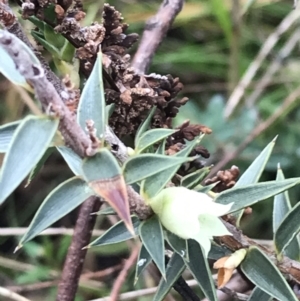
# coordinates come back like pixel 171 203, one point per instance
pixel 130 151
pixel 190 214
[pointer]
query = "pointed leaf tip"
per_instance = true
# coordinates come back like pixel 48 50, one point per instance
pixel 115 193
pixel 103 174
pixel 18 247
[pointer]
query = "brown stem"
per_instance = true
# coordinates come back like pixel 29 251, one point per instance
pixel 75 258
pixel 155 30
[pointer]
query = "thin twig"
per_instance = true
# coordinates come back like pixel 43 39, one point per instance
pixel 273 68
pixel 4 292
pixel 75 258
pixel 22 266
pixel 84 281
pixel 48 232
pixel 269 44
pixel 282 110
pixel 155 30
pixel 114 295
pixel 141 293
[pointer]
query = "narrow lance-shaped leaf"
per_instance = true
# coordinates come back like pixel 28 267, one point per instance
pixel 261 271
pixel 106 211
pixel 206 189
pixel 116 233
pixel 52 37
pixel 253 172
pixel 152 237
pixel 144 126
pixel 282 206
pixel 31 139
pixel 178 244
pixel 6 134
pixel 174 270
pixel 151 137
pixel 39 165
pixel 216 251
pixel 142 166
pixel 287 230
pixel 72 159
pixel 143 261
pixel 251 194
pixel 193 179
pixel 92 102
pixel 47 45
pixel 103 174
pixel 154 184
pixel 200 269
pixel 62 200
pixel 109 109
pixel 161 148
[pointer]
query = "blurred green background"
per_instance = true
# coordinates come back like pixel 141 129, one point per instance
pixel 210 46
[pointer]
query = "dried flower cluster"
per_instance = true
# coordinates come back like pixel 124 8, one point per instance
pixel 226 178
pixel 132 94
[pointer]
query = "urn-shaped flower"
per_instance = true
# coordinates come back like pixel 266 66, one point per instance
pixel 190 214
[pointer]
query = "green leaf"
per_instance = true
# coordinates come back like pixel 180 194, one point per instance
pixel 282 206
pixel 154 184
pixel 106 211
pixel 109 109
pixel 193 179
pixel 151 137
pixel 253 172
pixel 47 45
pixel 248 195
pixel 31 138
pixel 261 271
pixel 179 245
pixel 62 200
pixel 200 269
pixel 259 295
pixel 151 234
pixel 143 261
pixel 161 148
pixel 37 22
pixel 104 176
pixel 287 230
pixel 117 233
pixel 174 269
pixel 9 70
pixel 101 166
pixel 56 39
pixel 67 52
pixel 144 126
pixel 39 165
pixel 72 159
pixel 92 102
pixel 216 251
pixel 142 166
pixel 206 189
pixel 6 133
